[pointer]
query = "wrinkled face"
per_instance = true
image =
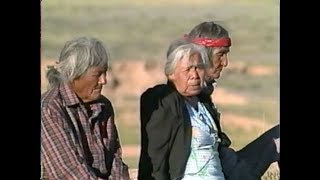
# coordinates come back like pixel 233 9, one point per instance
pixel 219 60
pixel 88 86
pixel 188 76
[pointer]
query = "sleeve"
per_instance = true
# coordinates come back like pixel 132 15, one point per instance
pixel 58 158
pixel 145 165
pixel 119 170
pixel 158 132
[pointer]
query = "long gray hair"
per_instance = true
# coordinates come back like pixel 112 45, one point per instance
pixel 76 57
pixel 179 49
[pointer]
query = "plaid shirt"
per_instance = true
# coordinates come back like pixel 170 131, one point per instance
pixel 79 141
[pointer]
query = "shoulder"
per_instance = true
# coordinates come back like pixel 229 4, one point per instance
pixel 52 107
pixel 161 99
pixel 153 92
pixel 51 98
pixel 160 92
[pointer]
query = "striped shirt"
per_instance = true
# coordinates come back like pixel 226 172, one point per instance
pixel 79 141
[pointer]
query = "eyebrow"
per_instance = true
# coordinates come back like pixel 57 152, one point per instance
pixel 223 51
pixel 197 65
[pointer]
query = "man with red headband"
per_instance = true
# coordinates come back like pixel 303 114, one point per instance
pixel 181 136
pixel 255 158
pixel 217 42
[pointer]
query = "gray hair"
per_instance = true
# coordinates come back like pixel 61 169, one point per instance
pixel 179 49
pixel 76 57
pixel 208 30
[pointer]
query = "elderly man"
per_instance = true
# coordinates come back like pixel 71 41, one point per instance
pixel 79 139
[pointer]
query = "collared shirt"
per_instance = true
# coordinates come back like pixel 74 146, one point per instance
pixel 79 141
pixel 203 162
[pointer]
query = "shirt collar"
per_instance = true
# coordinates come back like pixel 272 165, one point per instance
pixel 68 95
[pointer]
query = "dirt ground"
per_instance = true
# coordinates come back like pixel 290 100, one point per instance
pixel 130 78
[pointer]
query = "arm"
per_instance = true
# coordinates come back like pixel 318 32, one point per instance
pixel 158 131
pixel 145 165
pixel 58 158
pixel 119 170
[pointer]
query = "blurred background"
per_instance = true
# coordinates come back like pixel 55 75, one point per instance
pixel 137 34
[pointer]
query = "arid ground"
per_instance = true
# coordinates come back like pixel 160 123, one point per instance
pixel 128 79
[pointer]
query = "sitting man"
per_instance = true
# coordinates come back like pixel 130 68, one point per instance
pixel 79 138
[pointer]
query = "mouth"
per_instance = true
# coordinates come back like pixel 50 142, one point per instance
pixel 97 89
pixel 198 86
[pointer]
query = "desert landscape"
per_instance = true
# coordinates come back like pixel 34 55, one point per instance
pixel 137 34
pixel 128 79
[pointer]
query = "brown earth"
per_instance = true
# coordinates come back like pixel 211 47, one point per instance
pixel 131 78
pixel 128 79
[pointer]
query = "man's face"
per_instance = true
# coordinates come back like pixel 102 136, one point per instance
pixel 188 76
pixel 219 60
pixel 88 86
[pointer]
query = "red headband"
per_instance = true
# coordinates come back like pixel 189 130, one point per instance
pixel 216 42
pixel 212 42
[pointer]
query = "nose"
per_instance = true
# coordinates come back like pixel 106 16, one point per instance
pixel 194 73
pixel 224 60
pixel 103 79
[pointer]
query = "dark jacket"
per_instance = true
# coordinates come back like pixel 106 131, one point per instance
pixel 166 132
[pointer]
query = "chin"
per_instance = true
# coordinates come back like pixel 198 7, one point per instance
pixel 94 97
pixel 216 76
pixel 194 93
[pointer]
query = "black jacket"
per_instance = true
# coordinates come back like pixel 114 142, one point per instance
pixel 166 133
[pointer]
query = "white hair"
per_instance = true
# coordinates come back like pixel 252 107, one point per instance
pixel 183 49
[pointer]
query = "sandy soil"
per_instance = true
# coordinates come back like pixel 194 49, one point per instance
pixel 128 79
